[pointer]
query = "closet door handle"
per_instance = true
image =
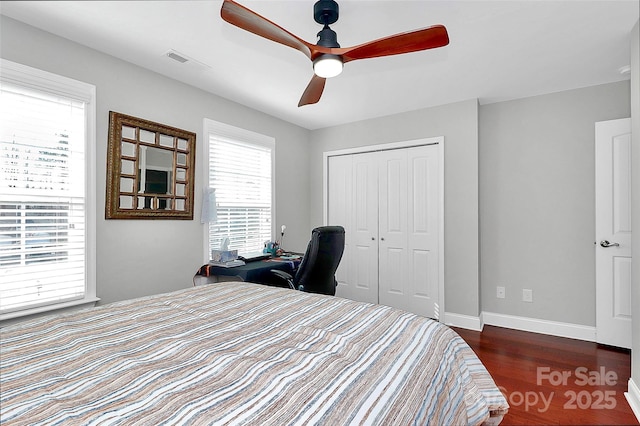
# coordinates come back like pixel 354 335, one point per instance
pixel 373 238
pixel 605 244
pixel 382 239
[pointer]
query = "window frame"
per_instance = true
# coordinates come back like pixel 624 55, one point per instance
pixel 223 130
pixel 44 81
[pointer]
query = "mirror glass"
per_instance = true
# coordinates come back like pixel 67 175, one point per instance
pixel 150 169
pixel 128 132
pixel 128 150
pixel 155 170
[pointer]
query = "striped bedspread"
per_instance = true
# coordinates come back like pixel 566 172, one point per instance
pixel 241 353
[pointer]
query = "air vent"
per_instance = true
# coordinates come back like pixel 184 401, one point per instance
pixel 187 61
pixel 176 57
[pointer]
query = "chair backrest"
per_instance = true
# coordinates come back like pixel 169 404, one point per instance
pixel 316 273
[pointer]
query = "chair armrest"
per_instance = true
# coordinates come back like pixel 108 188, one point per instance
pixel 285 276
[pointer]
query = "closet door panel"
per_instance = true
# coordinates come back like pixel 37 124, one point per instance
pixel 364 228
pixel 423 229
pixel 393 228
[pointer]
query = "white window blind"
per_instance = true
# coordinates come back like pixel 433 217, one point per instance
pixel 43 220
pixel 241 173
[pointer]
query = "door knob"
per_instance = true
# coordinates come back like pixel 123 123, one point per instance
pixel 605 244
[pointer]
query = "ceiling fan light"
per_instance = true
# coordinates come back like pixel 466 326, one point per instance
pixel 327 65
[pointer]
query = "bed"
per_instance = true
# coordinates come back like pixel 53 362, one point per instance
pixel 241 353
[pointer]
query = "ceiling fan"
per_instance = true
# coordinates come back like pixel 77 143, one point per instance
pixel 327 55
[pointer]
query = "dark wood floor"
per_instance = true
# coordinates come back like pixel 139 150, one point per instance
pixel 552 380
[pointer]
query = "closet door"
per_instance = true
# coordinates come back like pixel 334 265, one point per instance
pixel 392 226
pixel 353 204
pixel 423 231
pixel 408 267
pixel 364 227
pixel 388 202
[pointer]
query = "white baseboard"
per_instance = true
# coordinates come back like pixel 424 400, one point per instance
pixel 535 325
pixel 463 321
pixel 553 328
pixel 633 397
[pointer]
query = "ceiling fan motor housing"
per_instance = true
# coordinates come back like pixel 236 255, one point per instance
pixel 325 12
pixel 328 38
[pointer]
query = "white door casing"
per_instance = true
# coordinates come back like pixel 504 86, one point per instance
pixel 613 232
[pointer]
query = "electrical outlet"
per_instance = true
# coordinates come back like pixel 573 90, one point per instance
pixel 527 295
pixel 500 292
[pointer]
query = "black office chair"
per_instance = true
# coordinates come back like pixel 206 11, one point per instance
pixel 316 273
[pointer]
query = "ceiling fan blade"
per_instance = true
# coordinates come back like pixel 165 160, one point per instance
pixel 313 91
pixel 242 17
pixel 412 41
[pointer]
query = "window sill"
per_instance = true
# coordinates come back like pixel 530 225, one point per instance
pixel 17 316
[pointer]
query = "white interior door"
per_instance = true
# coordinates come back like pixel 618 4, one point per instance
pixel 613 232
pixel 392 227
pixel 364 222
pixel 353 204
pixel 423 231
pixel 409 194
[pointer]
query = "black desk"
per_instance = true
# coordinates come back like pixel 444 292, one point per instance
pixel 256 272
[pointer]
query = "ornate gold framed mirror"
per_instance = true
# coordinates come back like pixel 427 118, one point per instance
pixel 150 170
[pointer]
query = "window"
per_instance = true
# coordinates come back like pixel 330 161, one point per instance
pixel 47 221
pixel 241 168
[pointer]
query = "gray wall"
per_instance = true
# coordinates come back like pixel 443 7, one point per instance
pixel 537 205
pixel 458 123
pixel 635 208
pixel 143 257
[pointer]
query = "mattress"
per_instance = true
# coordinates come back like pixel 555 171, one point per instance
pixel 241 353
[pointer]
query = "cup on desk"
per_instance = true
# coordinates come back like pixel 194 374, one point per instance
pixel 271 248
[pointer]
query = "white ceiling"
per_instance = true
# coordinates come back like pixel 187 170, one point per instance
pixel 498 50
